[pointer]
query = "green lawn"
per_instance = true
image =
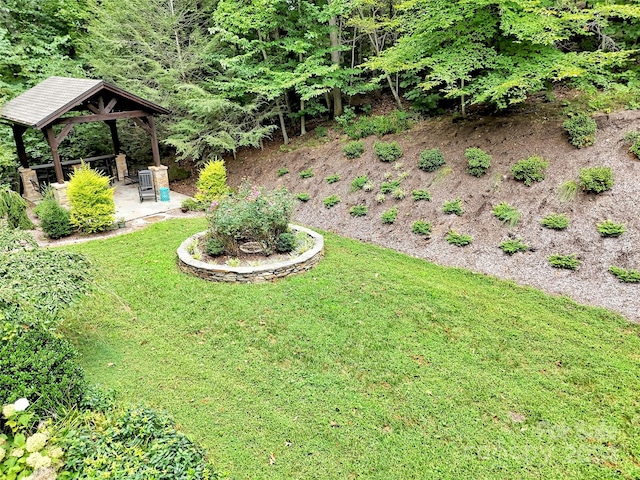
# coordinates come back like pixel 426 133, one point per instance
pixel 372 365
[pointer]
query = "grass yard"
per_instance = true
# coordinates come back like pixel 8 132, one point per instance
pixel 373 365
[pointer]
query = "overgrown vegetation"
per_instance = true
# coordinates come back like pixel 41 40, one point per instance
pixel 458 239
pixel 581 129
pixel 596 179
pixel 568 262
pixel 430 160
pixel 555 221
pixel 478 161
pixel 387 151
pixel 608 228
pixel 395 122
pixel 506 213
pixel 530 170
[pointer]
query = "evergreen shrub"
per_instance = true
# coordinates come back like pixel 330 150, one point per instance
pixel 389 216
pixel 13 208
pixel 430 160
pixel 478 161
pixel 353 149
pixel 625 276
pixel 458 239
pixel 555 221
pixel 513 246
pixel 331 200
pixel 387 151
pixel 358 210
pixel 212 182
pixel 452 207
pixel 286 242
pixel 581 129
pixel 607 228
pixel 91 199
pixel 596 179
pixel 506 213
pixel 420 227
pixel 568 262
pixel 530 170
pixel 54 219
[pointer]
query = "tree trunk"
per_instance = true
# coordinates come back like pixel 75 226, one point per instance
pixel 283 128
pixel 334 39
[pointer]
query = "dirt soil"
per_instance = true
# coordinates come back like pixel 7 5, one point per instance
pixel 508 139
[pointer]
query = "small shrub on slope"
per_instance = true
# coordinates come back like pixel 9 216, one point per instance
pixel 478 161
pixel 596 179
pixel 431 160
pixel 530 170
pixel 581 129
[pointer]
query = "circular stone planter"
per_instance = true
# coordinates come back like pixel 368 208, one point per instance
pixel 259 274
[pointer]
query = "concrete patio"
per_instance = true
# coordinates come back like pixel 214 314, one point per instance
pixel 129 207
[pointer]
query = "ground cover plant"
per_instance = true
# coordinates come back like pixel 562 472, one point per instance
pixel 282 171
pixel 633 139
pixel 458 239
pixel 353 149
pixel 596 179
pixel 388 187
pixel 307 173
pixel 581 129
pixel 420 227
pixel 530 170
pixel 608 228
pixel 568 262
pixel 387 151
pixel 331 200
pixel 513 246
pixel 555 221
pixel 625 276
pixel 453 207
pixel 349 367
pixel 430 160
pixel 13 209
pixel 419 195
pixel 389 216
pixel 358 210
pixel 303 197
pixel 359 182
pixel 332 179
pixel 506 213
pixel 364 126
pixel 478 161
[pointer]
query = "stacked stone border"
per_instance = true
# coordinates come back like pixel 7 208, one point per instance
pixel 259 274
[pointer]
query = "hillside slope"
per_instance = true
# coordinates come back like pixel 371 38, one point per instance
pixel 507 139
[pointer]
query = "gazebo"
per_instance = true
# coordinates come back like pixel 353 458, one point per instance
pixel 55 105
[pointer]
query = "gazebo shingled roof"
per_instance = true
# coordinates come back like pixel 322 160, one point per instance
pixel 44 105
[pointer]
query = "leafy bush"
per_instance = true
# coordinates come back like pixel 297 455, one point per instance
pixel 193 205
pixel 250 215
pixel 418 195
pixel 530 170
pixel 358 210
pixel 286 242
pixel 387 151
pixel 54 219
pixel 625 276
pixel 331 200
pixel 478 161
pixel 568 191
pixel 303 197
pixel 214 247
pixel 389 216
pixel 120 442
pixel 569 262
pixel 39 365
pixel 212 182
pixel 506 213
pixel 458 239
pixel 555 221
pixel 394 122
pixel 13 208
pixel 513 246
pixel 596 179
pixel 607 228
pixel 353 150
pixel 308 173
pixel 282 171
pixel 431 160
pixel 581 129
pixel 420 227
pixel 453 207
pixel 388 187
pixel 91 199
pixel 358 183
pixel 332 179
pixel 399 193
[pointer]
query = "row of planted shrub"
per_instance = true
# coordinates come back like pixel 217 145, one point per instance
pixel 53 423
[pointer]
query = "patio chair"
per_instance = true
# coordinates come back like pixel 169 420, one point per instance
pixel 145 185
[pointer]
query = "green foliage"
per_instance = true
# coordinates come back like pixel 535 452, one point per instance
pixel 398 193
pixel 39 365
pixel 596 179
pixel 513 246
pixel 308 173
pixel 250 215
pixel 420 227
pixel 430 160
pixel 139 440
pixel 458 239
pixel 581 129
pixel 380 198
pixel 506 213
pixel 395 122
pixel 286 242
pixel 358 210
pixel 625 276
pixel 282 171
pixel 387 151
pixel 331 200
pixel 478 161
pixel 453 207
pixel 194 205
pixel 91 199
pixel 568 191
pixel 633 138
pixel 214 247
pixel 530 170
pixel 13 208
pixel 358 183
pixel 332 179
pixel 389 216
pixel 212 182
pixel 388 187
pixel 54 219
pixel 607 228
pixel 353 149
pixel 418 195
pixel 14 238
pixel 568 262
pixel 555 221
pixel 303 197
pixel 320 131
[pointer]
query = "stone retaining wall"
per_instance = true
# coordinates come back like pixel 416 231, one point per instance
pixel 259 274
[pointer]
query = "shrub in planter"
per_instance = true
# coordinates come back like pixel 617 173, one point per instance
pixel 41 366
pixel 581 129
pixel 431 160
pixel 387 151
pixel 91 199
pixel 212 182
pixel 478 161
pixel 596 179
pixel 353 149
pixel 286 242
pixel 530 170
pixel 214 247
pixel 250 215
pixel 54 219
